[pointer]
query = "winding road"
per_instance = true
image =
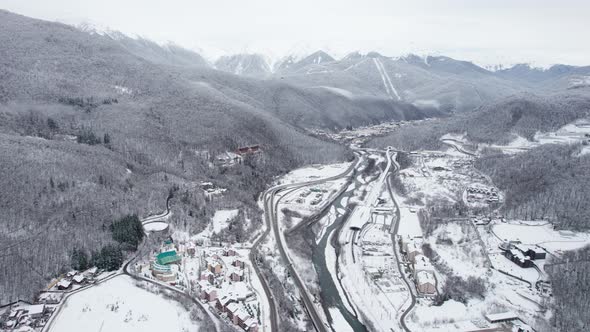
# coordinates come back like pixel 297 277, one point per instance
pixel 393 234
pixel 271 203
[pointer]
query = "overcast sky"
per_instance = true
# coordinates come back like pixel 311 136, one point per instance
pixel 541 32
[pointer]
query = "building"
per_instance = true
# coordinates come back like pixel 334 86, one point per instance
pixel 425 283
pixel 229 252
pixel 240 317
pixel 36 310
pixel 162 272
pixel 533 252
pixel 238 263
pixel 210 294
pixel 79 279
pixel 422 263
pixel 237 275
pixel 168 257
pixel 228 159
pixel 50 298
pixel 246 150
pixel 518 258
pixel 64 284
pixel 501 317
pixel 91 272
pixel 191 250
pixel 231 310
pixel 214 266
pixel 413 249
pixel 251 325
pixel 223 302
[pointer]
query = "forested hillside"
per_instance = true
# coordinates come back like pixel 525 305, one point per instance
pixel 571 285
pixel 497 123
pixel 547 183
pixel 91 132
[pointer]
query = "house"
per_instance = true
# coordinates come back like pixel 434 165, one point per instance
pixel 228 159
pixel 79 279
pixel 208 276
pixel 64 284
pixel 214 266
pixel 36 310
pixel 501 317
pixel 50 298
pixel 229 252
pixel 209 294
pixel 238 263
pixel 91 272
pixel 72 273
pixel 425 283
pixel 413 249
pixel 422 263
pixel 237 275
pixel 191 250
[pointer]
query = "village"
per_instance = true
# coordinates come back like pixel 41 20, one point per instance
pixel 219 276
pixel 25 316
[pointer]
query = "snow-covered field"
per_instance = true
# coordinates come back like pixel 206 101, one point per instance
pixel 312 173
pixel 119 305
pixel 543 235
pixel 155 226
pixel 569 134
pixel 409 224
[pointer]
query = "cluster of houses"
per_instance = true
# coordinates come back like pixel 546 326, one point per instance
pixel 422 269
pixel 25 316
pixel 480 194
pixel 75 278
pixel 220 280
pixel 222 284
pixel 522 255
pixel 22 315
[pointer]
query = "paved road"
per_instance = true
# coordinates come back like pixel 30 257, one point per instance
pixel 270 216
pixel 394 233
pixel 457 146
pixel 158 217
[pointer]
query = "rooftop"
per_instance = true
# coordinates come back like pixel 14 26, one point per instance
pixel 167 257
pixel 508 315
pixel 425 277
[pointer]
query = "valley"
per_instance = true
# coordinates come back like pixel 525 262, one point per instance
pixel 147 187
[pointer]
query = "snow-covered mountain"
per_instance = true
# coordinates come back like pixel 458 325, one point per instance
pixel 244 64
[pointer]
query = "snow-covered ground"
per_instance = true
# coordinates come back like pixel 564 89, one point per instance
pixel 571 133
pixel 543 235
pixel 219 222
pixel 155 226
pixel 119 305
pixel 315 172
pixel 501 263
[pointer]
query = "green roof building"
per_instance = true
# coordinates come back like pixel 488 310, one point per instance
pixel 168 257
